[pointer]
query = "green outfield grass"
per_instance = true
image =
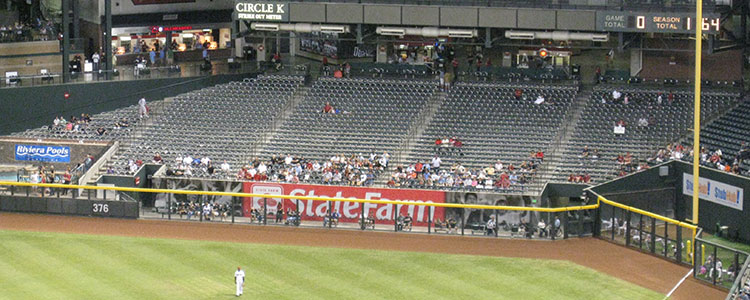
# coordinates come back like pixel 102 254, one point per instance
pixel 70 266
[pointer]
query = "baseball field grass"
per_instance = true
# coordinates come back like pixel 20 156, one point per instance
pixel 36 265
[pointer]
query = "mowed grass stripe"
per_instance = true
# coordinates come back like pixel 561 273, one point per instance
pixel 104 258
pixel 52 270
pixel 16 280
pixel 89 266
pixel 185 270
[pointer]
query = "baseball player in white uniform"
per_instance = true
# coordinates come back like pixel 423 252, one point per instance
pixel 239 280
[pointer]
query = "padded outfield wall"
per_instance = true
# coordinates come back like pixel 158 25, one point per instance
pixel 723 196
pixel 33 107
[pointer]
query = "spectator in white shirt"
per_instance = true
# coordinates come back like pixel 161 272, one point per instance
pixel 539 100
pixel 436 163
pixel 225 166
pixel 642 122
pixel 616 95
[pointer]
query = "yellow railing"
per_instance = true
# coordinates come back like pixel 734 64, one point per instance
pixel 649 214
pixel 600 199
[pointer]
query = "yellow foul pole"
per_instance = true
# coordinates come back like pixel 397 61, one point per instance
pixel 697 108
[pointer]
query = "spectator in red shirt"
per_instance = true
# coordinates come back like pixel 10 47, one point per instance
pixel 505 180
pixel 540 155
pixel 328 108
pixel 518 93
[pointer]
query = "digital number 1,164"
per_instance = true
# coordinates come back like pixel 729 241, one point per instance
pixel 707 24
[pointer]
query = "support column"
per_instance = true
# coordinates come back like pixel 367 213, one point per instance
pixel 76 19
pixel 278 43
pixel 293 46
pixel 108 38
pixel 359 34
pixel 66 41
pixel 488 38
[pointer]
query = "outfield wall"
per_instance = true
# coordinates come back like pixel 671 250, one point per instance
pixel 315 210
pixel 723 198
pixel 35 203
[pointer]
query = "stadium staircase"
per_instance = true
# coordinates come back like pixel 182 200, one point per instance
pixel 128 142
pixel 284 114
pixel 406 149
pixel 554 158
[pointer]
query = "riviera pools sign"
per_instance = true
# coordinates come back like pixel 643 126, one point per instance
pixel 262 11
pixel 43 153
pixel 714 191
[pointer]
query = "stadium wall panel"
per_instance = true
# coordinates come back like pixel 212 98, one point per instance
pixel 54 205
pixel 382 14
pixel 420 15
pixel 302 12
pixel 536 18
pixel 344 13
pixel 38 205
pixel 497 18
pixel 462 17
pixel 576 20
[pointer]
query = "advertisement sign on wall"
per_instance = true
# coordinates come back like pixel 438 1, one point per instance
pixel 43 153
pixel 262 11
pixel 714 191
pixel 350 211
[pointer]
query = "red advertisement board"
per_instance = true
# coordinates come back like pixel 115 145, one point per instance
pixel 350 211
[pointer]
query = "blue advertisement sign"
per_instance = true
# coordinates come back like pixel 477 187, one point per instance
pixel 43 153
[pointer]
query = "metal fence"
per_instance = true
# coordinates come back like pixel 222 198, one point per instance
pixel 645 231
pixel 717 264
pixel 741 285
pixel 389 217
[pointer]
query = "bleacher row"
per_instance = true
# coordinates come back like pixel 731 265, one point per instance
pixel 235 123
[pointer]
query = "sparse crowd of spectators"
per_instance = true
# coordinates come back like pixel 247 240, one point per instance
pixel 48 174
pixel 355 170
pixel 209 211
pixel 40 30
pixel 712 159
pixel 498 176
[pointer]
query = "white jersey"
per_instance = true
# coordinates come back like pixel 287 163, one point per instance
pixel 239 276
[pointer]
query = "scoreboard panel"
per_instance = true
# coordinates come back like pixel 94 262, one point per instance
pixel 659 22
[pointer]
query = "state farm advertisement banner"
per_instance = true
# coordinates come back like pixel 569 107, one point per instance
pixel 350 211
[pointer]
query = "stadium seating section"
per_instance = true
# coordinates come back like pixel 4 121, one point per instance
pixel 274 116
